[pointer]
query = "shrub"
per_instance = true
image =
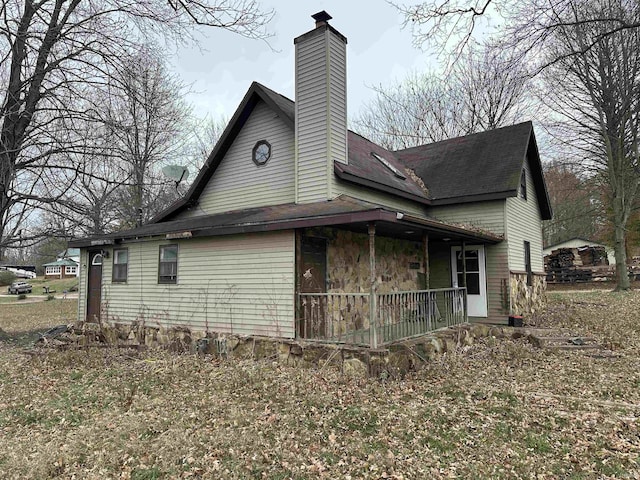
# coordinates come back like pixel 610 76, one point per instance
pixel 50 297
pixel 6 277
pixel 22 296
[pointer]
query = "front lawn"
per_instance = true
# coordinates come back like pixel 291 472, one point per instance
pixel 59 285
pixel 499 409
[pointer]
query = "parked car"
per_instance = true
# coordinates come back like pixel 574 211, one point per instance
pixel 20 287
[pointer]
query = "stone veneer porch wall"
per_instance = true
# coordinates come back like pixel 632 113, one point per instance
pixel 348 262
pixel 525 299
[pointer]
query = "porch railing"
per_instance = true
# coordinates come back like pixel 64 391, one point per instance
pixel 346 318
pixel 334 317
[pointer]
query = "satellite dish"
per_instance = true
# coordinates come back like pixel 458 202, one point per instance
pixel 177 173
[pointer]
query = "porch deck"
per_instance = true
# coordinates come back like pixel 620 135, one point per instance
pixel 360 319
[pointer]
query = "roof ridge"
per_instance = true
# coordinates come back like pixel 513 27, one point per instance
pixel 470 135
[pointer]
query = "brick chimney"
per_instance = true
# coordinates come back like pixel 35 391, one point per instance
pixel 321 109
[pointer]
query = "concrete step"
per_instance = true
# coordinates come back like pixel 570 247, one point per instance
pixel 570 347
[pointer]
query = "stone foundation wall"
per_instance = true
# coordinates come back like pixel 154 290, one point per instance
pixel 394 361
pixel 525 299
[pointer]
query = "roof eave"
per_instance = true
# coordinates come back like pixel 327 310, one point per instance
pixel 474 198
pixel 544 203
pixel 349 177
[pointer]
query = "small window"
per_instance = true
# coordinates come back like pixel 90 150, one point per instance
pixel 261 153
pixel 527 263
pixel 523 184
pixel 168 265
pixel 120 265
pixel 387 164
pixel 52 271
pixel 70 270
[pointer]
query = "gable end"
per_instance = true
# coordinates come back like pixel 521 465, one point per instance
pixel 282 106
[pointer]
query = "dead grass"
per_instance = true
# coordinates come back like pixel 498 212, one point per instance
pixel 59 285
pixel 501 409
pixel 22 320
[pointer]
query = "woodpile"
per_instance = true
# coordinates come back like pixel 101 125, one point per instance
pixel 582 264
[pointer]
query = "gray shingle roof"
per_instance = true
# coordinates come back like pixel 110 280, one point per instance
pixel 487 162
pixel 480 166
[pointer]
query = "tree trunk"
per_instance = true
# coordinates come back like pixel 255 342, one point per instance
pixel 622 276
pixel 6 179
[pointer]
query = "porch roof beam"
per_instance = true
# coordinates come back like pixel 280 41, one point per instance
pixel 198 227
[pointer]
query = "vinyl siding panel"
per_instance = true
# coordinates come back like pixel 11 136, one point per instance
pixel 524 223
pixel 497 271
pixel 238 182
pixel 497 267
pixel 489 215
pixel 241 284
pixel 380 198
pixel 82 285
pixel 321 116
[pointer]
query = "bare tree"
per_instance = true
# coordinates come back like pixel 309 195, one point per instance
pixel 485 90
pixel 207 132
pixel 596 92
pixel 525 27
pixel 53 52
pixel 574 199
pixel 146 116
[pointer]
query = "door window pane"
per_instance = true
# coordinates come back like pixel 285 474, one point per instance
pixel 473 283
pixel 473 265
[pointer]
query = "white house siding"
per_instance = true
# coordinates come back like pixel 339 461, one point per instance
pixel 238 182
pixel 241 284
pixel 321 118
pixel 524 223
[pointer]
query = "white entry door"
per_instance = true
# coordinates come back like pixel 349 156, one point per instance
pixel 476 280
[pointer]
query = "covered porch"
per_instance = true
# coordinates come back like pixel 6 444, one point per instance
pixel 369 283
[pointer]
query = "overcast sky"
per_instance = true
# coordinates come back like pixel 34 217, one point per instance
pixel 378 51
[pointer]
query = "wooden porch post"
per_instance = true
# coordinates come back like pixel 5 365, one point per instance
pixel 425 246
pixel 464 264
pixel 373 318
pixel 298 317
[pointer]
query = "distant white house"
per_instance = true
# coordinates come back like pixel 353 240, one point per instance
pixel 581 242
pixel 65 266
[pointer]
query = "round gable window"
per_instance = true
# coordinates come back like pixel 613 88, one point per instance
pixel 261 152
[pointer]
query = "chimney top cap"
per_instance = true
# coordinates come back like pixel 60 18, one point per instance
pixel 321 18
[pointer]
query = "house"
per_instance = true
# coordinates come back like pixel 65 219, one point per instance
pixel 61 268
pixel 65 266
pixel 296 227
pixel 578 242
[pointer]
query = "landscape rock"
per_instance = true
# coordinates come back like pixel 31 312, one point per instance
pixel 352 367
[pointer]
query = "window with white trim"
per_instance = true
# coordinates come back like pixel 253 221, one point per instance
pixel 52 270
pixel 168 264
pixel 120 265
pixel 70 270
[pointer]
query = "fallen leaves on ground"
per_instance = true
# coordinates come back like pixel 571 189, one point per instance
pixel 500 409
